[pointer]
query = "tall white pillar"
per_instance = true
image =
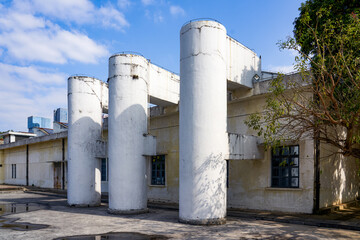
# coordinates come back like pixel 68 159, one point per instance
pixel 128 100
pixel 84 128
pixel 203 113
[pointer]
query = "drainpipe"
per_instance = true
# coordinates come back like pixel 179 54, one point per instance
pixel 27 165
pixel 63 164
pixel 317 176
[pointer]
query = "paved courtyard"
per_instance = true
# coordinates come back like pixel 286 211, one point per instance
pixel 54 219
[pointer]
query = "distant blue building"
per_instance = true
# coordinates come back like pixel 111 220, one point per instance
pixel 39 122
pixel 61 115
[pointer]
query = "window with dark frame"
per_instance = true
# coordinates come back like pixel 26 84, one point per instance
pixel 13 170
pixel 285 167
pixel 158 170
pixel 104 169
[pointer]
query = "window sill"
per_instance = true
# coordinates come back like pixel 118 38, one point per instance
pixel 159 186
pixel 283 189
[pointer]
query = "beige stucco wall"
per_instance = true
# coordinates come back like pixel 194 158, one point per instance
pixel 16 156
pixel 42 156
pixel 250 184
pixel 41 162
pixel 2 167
pixel 339 180
pixel 166 130
pixel 249 180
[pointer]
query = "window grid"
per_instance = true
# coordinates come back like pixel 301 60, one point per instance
pixel 158 170
pixel 104 169
pixel 13 170
pixel 285 167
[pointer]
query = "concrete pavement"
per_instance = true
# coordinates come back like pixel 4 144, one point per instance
pixel 66 221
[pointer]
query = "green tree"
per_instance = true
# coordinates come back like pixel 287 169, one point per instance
pixel 324 102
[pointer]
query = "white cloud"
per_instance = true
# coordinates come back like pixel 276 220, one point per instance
pixel 79 11
pixel 147 2
pixel 53 46
pixel 110 17
pixel 281 69
pixel 177 11
pixel 157 17
pixel 28 32
pixel 15 20
pixel 30 38
pixel 123 4
pixel 31 73
pixel 29 91
pixel 292 52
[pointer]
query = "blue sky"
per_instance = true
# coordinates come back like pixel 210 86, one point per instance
pixel 43 42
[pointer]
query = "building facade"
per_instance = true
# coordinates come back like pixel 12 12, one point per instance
pixel 192 148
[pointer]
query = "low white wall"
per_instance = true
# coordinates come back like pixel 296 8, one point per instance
pixel 339 178
pixel 15 156
pixel 42 156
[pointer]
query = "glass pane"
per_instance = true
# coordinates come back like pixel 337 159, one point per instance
pixel 158 170
pixel 295 161
pixel 284 182
pixel 295 172
pixel 275 182
pixel 103 169
pixel 285 151
pixel 275 172
pixel 276 161
pixel 295 182
pixel 295 150
pixel 284 162
pixel 276 151
pixel 284 172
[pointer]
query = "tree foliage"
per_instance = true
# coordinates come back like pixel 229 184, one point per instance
pixel 323 102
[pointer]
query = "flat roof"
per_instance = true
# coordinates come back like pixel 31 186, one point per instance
pixel 25 134
pixel 33 140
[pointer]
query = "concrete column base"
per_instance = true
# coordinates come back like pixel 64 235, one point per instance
pixel 128 212
pixel 214 221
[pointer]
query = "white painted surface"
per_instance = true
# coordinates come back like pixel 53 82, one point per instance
pixel 164 86
pixel 149 145
pixel 100 149
pixel 104 97
pixel 203 137
pixel 339 177
pixel 244 147
pixel 128 100
pixel 242 64
pixel 85 109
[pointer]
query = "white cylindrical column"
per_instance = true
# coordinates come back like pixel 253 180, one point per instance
pixel 203 113
pixel 84 128
pixel 128 94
